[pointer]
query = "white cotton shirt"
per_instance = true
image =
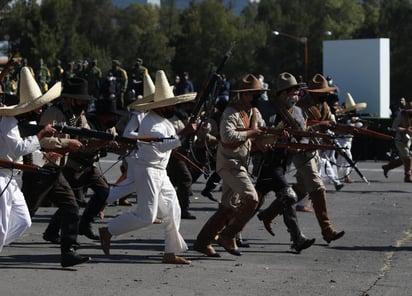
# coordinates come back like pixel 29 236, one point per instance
pixel 12 146
pixel 156 154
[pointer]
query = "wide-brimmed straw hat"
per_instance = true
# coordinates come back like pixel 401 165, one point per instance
pixel 319 84
pixel 30 95
pixel 351 106
pixel 287 80
pixel 163 95
pixel 250 83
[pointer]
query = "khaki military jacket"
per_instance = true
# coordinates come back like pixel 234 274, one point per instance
pixel 234 146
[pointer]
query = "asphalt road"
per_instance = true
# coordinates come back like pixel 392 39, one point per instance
pixel 373 258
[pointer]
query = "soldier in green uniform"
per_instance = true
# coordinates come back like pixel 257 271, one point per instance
pixel 58 73
pixel 43 76
pixel 136 78
pixel 121 80
pixel 69 72
pixel 93 75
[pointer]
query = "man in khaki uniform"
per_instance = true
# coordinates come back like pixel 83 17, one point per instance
pixel 239 197
pixel 315 107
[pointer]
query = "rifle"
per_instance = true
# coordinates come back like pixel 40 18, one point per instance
pixel 345 155
pixel 347 129
pixel 184 158
pixel 298 133
pixel 207 92
pixel 304 146
pixel 92 145
pixel 24 167
pixel 27 129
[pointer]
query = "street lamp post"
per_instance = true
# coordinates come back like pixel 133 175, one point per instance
pixel 303 40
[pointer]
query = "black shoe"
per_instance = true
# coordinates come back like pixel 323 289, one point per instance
pixel 82 203
pixel 72 258
pixel 303 244
pixel 52 238
pixel 339 186
pixel 226 244
pixel 208 194
pixel 187 215
pixel 89 233
pixel 241 243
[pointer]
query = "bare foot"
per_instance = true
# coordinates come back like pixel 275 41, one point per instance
pixel 158 221
pixel 170 258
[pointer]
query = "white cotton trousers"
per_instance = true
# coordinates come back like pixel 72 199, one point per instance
pixel 14 214
pixel 123 189
pixel 344 166
pixel 156 196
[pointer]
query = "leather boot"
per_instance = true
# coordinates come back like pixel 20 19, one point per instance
pixel 391 165
pixel 242 215
pixel 407 162
pixel 52 232
pixel 85 225
pixel 319 205
pixel 210 231
pixel 210 185
pixel 269 214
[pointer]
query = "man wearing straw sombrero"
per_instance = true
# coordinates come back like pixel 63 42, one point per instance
pixel 349 112
pixel 155 192
pixel 14 214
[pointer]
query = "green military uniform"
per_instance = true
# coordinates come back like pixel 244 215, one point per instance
pixel 93 75
pixel 136 78
pixel 121 80
pixel 43 76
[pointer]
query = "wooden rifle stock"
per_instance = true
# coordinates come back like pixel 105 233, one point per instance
pixel 24 167
pixel 347 129
pixel 297 133
pixel 32 129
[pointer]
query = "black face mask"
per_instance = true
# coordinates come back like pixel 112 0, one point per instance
pixel 256 100
pixel 78 109
pixel 168 113
pixel 323 98
pixel 111 123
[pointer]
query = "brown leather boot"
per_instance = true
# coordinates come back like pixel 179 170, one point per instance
pixel 319 205
pixel 391 165
pixel 269 214
pixel 407 162
pixel 210 231
pixel 242 215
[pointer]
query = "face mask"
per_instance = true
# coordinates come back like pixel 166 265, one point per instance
pixel 256 100
pixel 111 123
pixel 168 113
pixel 78 109
pixel 291 101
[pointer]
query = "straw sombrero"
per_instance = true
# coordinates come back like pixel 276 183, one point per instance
pixel 163 95
pixel 351 106
pixel 30 96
